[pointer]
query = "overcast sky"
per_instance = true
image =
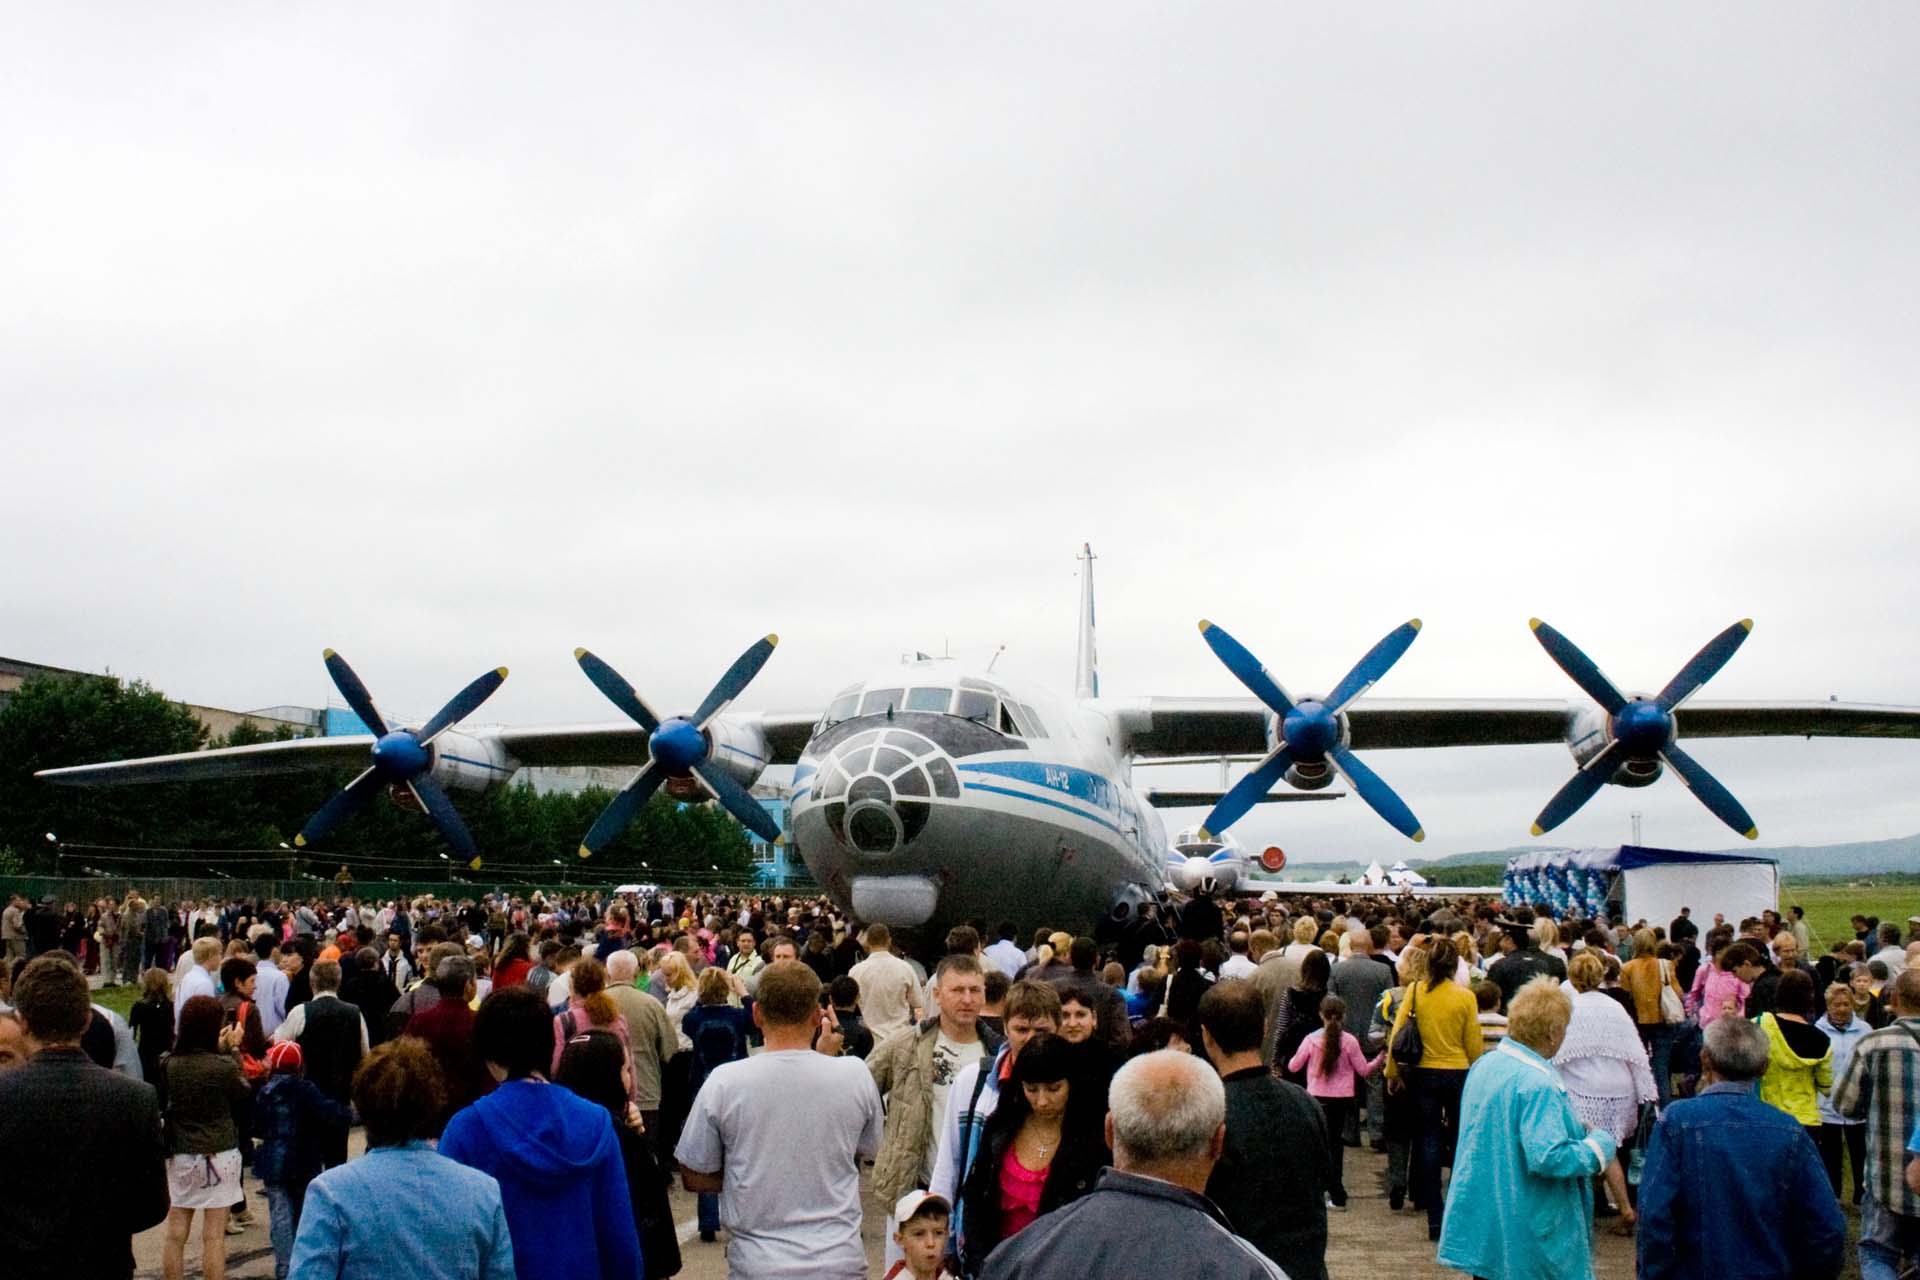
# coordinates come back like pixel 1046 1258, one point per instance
pixel 455 335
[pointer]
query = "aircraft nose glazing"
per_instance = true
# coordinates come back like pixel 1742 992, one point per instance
pixel 400 755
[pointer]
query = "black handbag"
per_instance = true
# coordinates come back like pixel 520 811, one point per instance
pixel 1406 1047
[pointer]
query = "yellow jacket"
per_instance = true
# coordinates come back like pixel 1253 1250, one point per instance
pixel 1449 1019
pixel 1793 1079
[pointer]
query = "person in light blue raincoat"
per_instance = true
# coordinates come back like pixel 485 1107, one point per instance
pixel 1520 1206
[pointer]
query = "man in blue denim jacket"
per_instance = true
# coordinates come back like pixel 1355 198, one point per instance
pixel 1733 1186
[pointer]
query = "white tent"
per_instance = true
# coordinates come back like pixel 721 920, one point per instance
pixel 1631 883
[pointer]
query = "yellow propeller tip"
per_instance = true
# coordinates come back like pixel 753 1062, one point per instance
pixel 501 672
pixel 1747 623
pixel 299 842
pixel 1205 626
pixel 474 865
pixel 1204 834
pixel 585 852
pixel 328 655
pixel 579 654
pixel 1535 623
pixel 1539 830
pixel 1752 833
pixel 773 638
pixel 1419 835
pixel 1414 623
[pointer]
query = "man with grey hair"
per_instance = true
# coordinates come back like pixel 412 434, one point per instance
pixel 333 1039
pixel 651 1039
pixel 1361 980
pixel 1696 1219
pixel 1148 1215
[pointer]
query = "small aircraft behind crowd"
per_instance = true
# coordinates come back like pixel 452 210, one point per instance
pixel 933 792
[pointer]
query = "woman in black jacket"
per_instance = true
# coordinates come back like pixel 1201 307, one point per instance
pixel 594 1065
pixel 1043 1147
pixel 1298 1016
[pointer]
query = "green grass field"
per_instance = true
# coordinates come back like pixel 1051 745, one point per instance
pixel 1830 907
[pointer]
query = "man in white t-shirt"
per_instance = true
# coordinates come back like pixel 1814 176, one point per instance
pixel 889 989
pixel 198 979
pixel 1238 964
pixel 788 1175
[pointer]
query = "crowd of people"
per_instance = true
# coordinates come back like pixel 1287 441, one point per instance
pixel 1175 1095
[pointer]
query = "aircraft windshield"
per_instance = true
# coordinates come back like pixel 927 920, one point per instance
pixel 880 701
pixel 928 699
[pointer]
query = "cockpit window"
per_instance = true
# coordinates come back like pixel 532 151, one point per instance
pixel 879 701
pixel 928 699
pixel 974 704
pixel 1008 724
pixel 1036 729
pixel 843 707
pixel 967 682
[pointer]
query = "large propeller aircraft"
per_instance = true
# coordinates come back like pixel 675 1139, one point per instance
pixel 932 792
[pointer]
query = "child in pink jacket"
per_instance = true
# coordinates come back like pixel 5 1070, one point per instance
pixel 1338 1066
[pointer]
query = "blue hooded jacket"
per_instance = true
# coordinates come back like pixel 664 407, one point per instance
pixel 561 1179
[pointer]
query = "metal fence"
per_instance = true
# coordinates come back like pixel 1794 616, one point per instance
pixel 84 889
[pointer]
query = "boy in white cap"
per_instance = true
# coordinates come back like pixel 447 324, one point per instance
pixel 920 1233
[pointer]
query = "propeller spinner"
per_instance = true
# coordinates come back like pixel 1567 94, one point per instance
pixel 401 757
pixel 1311 730
pixel 677 747
pixel 1641 729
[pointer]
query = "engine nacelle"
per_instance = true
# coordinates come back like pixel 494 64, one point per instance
pixel 1590 732
pixel 1310 777
pixel 462 762
pixel 738 749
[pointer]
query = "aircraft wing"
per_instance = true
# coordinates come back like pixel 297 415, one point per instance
pixel 1164 798
pixel 622 742
pixel 296 755
pixel 1208 728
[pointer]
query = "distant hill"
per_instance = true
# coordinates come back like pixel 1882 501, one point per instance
pixel 1865 857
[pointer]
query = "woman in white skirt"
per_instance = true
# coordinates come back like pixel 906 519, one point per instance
pixel 204 1091
pixel 1604 1067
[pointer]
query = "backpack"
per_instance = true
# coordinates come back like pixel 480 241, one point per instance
pixel 716 1042
pixel 253 1069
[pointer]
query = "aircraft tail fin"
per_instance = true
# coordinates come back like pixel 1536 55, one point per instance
pixel 1086 683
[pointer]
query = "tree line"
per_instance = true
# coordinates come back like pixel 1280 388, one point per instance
pixel 52 721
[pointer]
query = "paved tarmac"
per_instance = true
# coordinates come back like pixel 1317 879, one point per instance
pixel 1366 1240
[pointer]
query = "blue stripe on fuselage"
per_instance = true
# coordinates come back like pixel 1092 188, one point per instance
pixel 1022 795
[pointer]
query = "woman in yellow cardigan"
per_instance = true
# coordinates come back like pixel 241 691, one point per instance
pixel 1449 1020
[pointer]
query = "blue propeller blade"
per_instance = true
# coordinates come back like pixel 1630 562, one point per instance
pixel 1246 669
pixel 1702 667
pixel 618 691
pixel 735 800
pixel 1379 660
pixel 462 705
pixel 355 693
pixel 445 816
pixel 1579 666
pixel 1246 793
pixel 348 801
pixel 620 810
pixel 1580 788
pixel 1718 799
pixel 1378 795
pixel 743 670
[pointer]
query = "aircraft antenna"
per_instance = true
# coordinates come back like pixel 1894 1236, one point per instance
pixel 995 658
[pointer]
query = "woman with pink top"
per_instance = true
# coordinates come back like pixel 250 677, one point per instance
pixel 1729 983
pixel 1334 1081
